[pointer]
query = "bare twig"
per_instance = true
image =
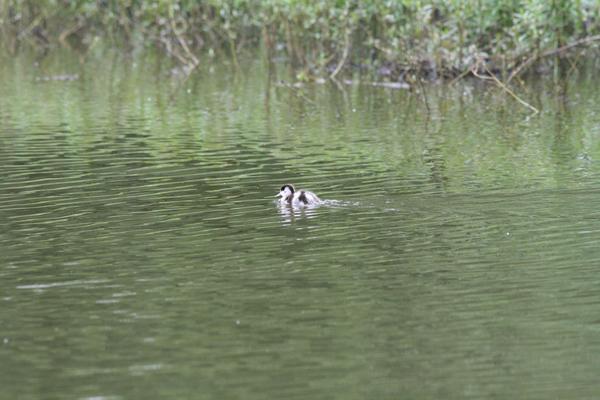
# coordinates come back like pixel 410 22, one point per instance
pixel 344 55
pixel 459 77
pixel 193 60
pixel 501 85
pixel 62 38
pixel 295 91
pixel 548 53
pixel 30 27
pixel 173 52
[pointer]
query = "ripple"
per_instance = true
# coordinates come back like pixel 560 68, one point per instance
pixel 140 240
pixel 78 283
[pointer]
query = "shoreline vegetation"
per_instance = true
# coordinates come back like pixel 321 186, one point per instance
pixel 399 42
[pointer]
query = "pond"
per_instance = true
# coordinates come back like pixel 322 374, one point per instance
pixel 143 255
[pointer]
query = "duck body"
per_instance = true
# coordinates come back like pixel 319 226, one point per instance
pixel 301 197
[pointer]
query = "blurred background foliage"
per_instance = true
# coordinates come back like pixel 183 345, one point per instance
pixel 434 38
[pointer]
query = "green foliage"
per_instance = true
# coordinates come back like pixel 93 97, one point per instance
pixel 448 35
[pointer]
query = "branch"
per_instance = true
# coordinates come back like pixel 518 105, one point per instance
pixel 344 55
pixel 184 45
pixel 502 86
pixel 62 38
pixel 551 52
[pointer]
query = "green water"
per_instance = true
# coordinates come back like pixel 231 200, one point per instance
pixel 142 255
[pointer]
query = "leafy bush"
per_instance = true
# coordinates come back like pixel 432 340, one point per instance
pixel 445 37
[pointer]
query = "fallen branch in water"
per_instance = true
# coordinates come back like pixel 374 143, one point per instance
pixel 548 53
pixel 194 62
pixel 173 52
pixel 503 86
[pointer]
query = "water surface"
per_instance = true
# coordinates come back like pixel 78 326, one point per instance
pixel 142 254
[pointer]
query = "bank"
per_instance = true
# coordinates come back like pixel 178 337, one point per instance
pixel 398 41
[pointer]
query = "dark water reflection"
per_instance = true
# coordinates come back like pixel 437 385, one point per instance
pixel 142 255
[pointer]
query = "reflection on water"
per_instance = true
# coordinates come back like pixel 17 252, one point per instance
pixel 291 213
pixel 142 255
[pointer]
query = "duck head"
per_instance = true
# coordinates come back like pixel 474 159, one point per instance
pixel 286 193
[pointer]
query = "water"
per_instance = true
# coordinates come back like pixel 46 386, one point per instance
pixel 143 256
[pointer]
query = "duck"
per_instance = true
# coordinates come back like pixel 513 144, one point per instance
pixel 289 195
